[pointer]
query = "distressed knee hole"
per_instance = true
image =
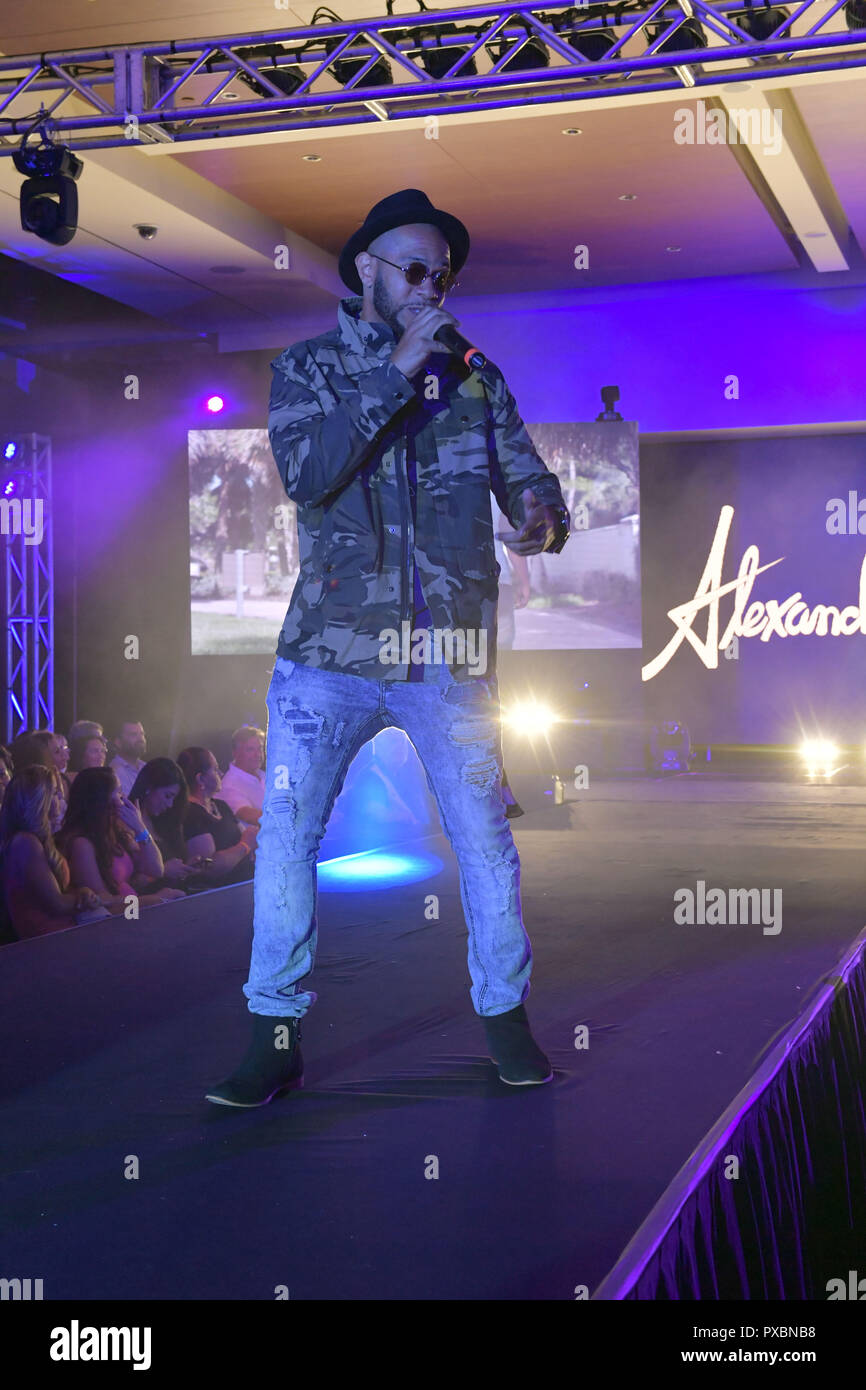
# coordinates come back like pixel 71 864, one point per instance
pixel 481 775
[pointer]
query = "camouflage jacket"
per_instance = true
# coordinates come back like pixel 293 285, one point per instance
pixel 341 421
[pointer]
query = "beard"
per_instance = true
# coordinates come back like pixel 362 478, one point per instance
pixel 386 307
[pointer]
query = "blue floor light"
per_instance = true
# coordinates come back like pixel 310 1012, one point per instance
pixel 375 869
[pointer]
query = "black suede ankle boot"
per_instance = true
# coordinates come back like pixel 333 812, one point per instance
pixel 514 1051
pixel 272 1065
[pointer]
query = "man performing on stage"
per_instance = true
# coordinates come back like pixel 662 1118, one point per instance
pixel 390 446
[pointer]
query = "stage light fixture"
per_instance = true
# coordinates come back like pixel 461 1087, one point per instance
pixel 670 747
pixel 594 45
pixel 215 404
pixel 855 14
pixel 759 21
pixel 689 34
pixel 287 79
pixel 525 56
pixel 49 198
pixel 344 69
pixel 15 483
pixel 438 61
pixel 10 450
pixel 531 718
pixel 820 757
pixel 609 397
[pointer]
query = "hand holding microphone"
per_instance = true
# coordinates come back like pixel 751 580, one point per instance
pixel 434 330
pixel 419 340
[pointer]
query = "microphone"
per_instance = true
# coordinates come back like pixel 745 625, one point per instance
pixel 448 336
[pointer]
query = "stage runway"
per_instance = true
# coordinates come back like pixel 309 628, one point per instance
pixel 114 1031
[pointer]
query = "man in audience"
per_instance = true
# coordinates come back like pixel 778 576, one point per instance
pixel 243 785
pixel 131 745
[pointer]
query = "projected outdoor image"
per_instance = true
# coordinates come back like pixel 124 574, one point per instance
pixel 589 595
pixel 244 549
pixel 243 555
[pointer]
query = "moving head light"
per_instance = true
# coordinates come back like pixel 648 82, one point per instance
pixel 49 198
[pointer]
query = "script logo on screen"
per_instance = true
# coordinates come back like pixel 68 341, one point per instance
pixel 790 617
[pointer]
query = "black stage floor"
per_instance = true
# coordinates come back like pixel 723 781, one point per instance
pixel 113 1031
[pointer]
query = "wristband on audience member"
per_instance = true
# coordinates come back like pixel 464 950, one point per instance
pixel 142 837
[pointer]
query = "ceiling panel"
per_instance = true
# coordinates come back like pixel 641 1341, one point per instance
pixel 836 119
pixel 528 194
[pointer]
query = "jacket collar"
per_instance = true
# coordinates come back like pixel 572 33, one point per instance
pixel 363 335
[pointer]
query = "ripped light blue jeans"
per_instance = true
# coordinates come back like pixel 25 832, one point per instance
pixel 317 722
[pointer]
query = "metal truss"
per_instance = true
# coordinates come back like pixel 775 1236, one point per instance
pixel 29 588
pixel 397 67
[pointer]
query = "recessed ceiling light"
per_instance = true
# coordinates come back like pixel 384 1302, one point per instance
pixel 673 248
pixel 311 158
pixel 627 197
pixel 572 130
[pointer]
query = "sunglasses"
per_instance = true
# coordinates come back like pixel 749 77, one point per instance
pixel 416 273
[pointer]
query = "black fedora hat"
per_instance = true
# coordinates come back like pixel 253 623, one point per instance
pixel 399 210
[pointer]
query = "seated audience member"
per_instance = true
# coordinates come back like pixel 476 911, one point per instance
pixel 108 847
pixel 211 827
pixel 85 728
pixel 37 898
pixel 86 750
pixel 243 786
pixel 130 751
pixel 28 749
pixel 60 758
pixel 160 796
pixel 6 770
pixel 39 749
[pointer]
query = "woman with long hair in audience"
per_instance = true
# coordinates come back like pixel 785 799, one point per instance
pixel 211 828
pixel 60 759
pixel 86 750
pixel 108 847
pixel 160 796
pixel 37 897
pixel 33 747
pixel 42 748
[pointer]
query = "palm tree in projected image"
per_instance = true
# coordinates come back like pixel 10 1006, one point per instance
pixel 237 502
